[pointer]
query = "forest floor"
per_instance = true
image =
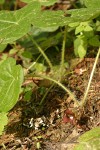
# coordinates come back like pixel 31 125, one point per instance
pixel 55 126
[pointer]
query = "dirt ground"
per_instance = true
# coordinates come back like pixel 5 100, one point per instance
pixel 55 126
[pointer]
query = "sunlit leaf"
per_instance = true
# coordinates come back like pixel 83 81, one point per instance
pixel 92 3
pixel 11 77
pixel 15 24
pixel 80 47
pixel 2 47
pixel 83 14
pixel 89 140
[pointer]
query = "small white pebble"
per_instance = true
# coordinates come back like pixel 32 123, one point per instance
pixel 71 117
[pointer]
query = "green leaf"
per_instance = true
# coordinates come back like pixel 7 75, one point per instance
pixel 27 54
pixel 93 144
pixel 86 28
pixel 98 25
pixel 94 41
pixel 15 24
pixel 39 67
pixel 2 1
pixel 42 2
pixel 89 140
pixel 92 3
pixel 89 135
pixel 88 31
pixel 82 51
pixel 2 47
pixel 3 121
pixel 74 25
pixel 80 46
pixel 57 18
pixel 11 78
pixel 79 29
pixel 28 95
pixel 83 14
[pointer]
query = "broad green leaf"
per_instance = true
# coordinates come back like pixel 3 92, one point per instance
pixel 89 135
pixel 84 26
pixel 2 47
pixel 48 29
pixel 57 18
pixel 94 41
pixel 3 121
pixel 92 3
pixel 50 19
pixel 83 14
pixel 11 77
pixel 2 1
pixel 74 25
pixel 42 2
pixel 79 29
pixel 88 31
pixel 15 24
pixel 77 42
pixel 80 46
pixel 27 54
pixel 82 51
pixel 98 25
pixel 93 144
pixel 89 140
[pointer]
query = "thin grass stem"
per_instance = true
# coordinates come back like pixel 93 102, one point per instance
pixel 43 98
pixel 64 88
pixel 84 100
pixel 41 51
pixel 63 54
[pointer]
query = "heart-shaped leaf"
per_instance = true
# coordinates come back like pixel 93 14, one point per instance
pixel 89 140
pixel 11 77
pixel 15 24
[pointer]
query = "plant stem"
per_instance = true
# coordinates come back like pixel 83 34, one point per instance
pixel 42 101
pixel 66 89
pixel 83 102
pixel 41 51
pixel 63 54
pixel 32 64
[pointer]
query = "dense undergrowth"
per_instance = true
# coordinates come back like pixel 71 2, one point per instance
pixel 37 39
